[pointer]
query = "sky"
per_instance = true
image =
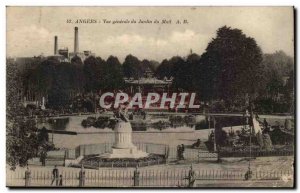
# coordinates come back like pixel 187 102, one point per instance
pixel 31 30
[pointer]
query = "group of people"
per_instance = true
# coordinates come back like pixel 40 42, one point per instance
pixel 58 179
pixel 180 152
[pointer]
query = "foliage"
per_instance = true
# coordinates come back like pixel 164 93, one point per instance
pixel 20 133
pixel 22 137
pixel 165 69
pixel 180 72
pixel 279 79
pixel 231 66
pixel 113 76
pixel 203 124
pixel 132 67
pixel 43 136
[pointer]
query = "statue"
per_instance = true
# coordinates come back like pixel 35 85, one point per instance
pixel 43 104
pixel 123 146
pixel 121 115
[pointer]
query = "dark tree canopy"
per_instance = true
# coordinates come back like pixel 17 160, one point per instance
pixel 165 69
pixel 279 62
pixel 180 72
pixel 153 65
pixel 76 60
pixel 132 67
pixel 113 76
pixel 231 65
pixel 20 133
pixel 276 66
pixel 90 72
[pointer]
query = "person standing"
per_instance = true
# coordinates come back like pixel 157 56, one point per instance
pixel 27 177
pixel 82 176
pixel 191 177
pixel 136 177
pixel 178 152
pixel 266 124
pixel 182 151
pixel 43 157
pixel 55 176
pixel 60 180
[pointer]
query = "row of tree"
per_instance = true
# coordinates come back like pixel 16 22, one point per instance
pixel 232 68
pixel 23 140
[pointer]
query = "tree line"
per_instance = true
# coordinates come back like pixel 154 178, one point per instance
pixel 231 69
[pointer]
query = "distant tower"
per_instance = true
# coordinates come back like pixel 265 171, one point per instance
pixel 191 51
pixel 76 43
pixel 55 45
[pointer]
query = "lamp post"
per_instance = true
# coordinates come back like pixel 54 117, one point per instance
pixel 248 174
pixel 208 122
pixel 215 143
pixel 53 130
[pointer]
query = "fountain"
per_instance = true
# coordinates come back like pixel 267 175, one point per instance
pixel 123 146
pixel 123 152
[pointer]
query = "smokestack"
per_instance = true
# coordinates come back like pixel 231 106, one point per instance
pixel 76 43
pixel 55 45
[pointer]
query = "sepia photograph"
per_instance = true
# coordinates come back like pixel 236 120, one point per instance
pixel 150 97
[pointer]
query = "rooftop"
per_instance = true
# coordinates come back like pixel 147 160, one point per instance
pixel 150 80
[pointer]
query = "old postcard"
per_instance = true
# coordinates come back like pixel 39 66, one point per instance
pixel 177 97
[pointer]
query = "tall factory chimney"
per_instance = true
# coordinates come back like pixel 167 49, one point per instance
pixel 76 43
pixel 55 45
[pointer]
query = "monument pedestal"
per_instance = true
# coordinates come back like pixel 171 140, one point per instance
pixel 123 147
pixel 127 153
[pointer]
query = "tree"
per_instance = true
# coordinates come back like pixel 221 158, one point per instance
pixel 113 76
pixel 189 74
pixel 59 93
pixel 276 66
pixel 100 73
pixel 165 69
pixel 153 65
pixel 180 72
pixel 131 67
pixel 78 74
pixel 20 133
pixel 274 84
pixel 289 91
pixel 40 79
pixel 146 65
pixel 278 80
pixel 76 60
pixel 279 62
pixel 90 69
pixel 43 135
pixel 231 66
